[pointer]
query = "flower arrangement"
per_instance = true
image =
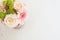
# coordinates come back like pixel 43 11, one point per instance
pixel 12 13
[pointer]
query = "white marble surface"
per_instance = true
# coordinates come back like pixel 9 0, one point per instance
pixel 43 22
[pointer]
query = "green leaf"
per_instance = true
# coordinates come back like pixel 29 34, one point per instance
pixel 4 2
pixel 9 3
pixel 14 0
pixel 10 11
pixel 2 15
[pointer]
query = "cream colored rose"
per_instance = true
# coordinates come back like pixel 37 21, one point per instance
pixel 18 6
pixel 11 20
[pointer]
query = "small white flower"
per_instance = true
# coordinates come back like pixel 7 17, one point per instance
pixel 11 20
pixel 18 6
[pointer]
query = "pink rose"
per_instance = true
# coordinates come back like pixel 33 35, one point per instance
pixel 1 7
pixel 0 20
pixel 22 17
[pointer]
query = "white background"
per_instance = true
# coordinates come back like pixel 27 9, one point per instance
pixel 43 22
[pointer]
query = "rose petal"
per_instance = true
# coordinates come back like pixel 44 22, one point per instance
pixel 23 15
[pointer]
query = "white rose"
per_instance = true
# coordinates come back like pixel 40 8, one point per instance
pixel 11 20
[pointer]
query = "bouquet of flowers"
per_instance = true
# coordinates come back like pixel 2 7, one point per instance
pixel 12 13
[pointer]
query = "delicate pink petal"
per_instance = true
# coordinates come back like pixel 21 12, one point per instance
pixel 23 15
pixel 1 7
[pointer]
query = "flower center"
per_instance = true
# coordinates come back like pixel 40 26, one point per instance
pixel 10 20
